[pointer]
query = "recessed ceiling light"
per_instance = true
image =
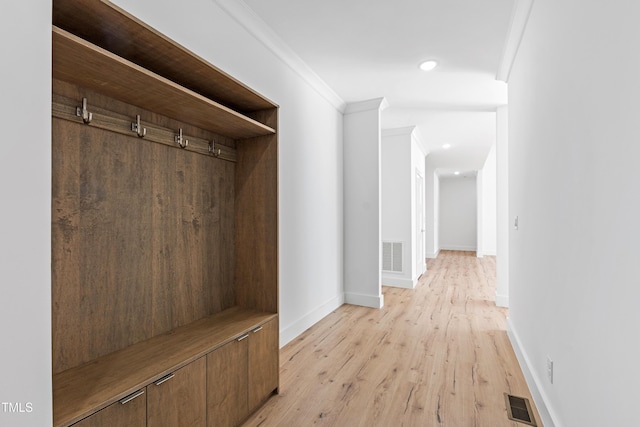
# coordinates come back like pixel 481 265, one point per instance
pixel 446 146
pixel 428 65
pixel 456 173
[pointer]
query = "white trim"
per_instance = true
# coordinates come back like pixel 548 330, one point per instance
pixel 433 255
pixel 370 104
pixel 549 417
pixel 481 254
pixel 405 131
pixel 289 333
pixel 502 300
pixel 250 21
pixel 373 301
pixel 398 282
pixel 458 248
pixel 517 25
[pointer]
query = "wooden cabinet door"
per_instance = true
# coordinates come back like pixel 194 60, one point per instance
pixel 130 411
pixel 227 384
pixel 179 399
pixel 263 362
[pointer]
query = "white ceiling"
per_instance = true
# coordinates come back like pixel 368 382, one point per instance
pixel 366 49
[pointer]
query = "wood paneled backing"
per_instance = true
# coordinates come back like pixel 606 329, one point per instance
pixel 142 240
pixel 181 400
pixel 256 271
pixel 106 25
pixel 83 390
pixel 131 414
pixel 227 381
pixel 77 61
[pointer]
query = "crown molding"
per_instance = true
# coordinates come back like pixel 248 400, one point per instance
pixel 403 131
pixel 517 25
pixel 370 104
pixel 250 21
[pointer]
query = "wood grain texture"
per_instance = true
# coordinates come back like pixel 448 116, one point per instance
pixel 181 400
pixel 263 363
pixel 96 281
pixel 256 220
pixel 77 61
pixel 227 379
pixel 106 25
pixel 131 414
pixel 142 236
pixel 85 389
pixel 438 355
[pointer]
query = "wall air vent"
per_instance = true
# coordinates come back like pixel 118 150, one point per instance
pixel 392 257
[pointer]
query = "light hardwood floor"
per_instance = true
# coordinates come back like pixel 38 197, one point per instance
pixel 437 355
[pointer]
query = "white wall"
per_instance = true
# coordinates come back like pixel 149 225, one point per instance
pixel 458 213
pixel 573 183
pixel 401 158
pixel 432 206
pixel 25 217
pixel 418 156
pixel 503 222
pixel 487 205
pixel 396 200
pixel 362 222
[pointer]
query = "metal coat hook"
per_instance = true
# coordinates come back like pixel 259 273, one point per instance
pixel 212 148
pixel 83 112
pixel 181 141
pixel 137 128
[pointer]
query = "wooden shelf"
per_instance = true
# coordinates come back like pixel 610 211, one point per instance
pixel 83 390
pixel 79 62
pixel 110 27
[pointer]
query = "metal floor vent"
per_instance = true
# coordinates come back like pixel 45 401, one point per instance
pixel 519 409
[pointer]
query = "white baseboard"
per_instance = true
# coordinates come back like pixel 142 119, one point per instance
pixel 289 333
pixel 502 300
pixel 398 282
pixel 373 301
pixel 541 399
pixel 482 254
pixel 433 255
pixel 458 248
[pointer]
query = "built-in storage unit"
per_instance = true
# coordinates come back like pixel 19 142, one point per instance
pixel 164 229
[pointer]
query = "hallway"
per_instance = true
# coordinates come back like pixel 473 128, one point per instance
pixel 437 355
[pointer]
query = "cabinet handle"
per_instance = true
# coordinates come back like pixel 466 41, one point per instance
pixel 164 379
pixel 131 397
pixel 258 329
pixel 242 337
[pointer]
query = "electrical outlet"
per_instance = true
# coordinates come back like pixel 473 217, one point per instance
pixel 550 369
pixel 515 223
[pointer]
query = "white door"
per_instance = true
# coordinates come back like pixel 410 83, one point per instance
pixel 420 258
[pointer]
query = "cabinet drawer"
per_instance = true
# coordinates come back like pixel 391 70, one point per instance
pixel 263 362
pixel 227 384
pixel 179 399
pixel 130 411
